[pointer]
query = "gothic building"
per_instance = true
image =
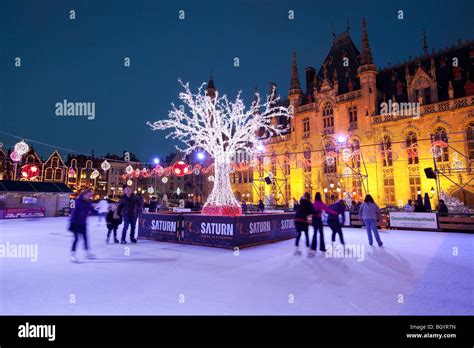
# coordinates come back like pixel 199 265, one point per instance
pixel 356 129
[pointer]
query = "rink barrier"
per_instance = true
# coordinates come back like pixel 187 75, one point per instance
pixel 217 231
pixel 453 222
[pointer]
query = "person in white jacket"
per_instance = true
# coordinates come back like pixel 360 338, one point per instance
pixel 102 208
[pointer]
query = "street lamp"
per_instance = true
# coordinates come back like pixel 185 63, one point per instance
pixel 200 156
pixel 325 190
pixel 156 160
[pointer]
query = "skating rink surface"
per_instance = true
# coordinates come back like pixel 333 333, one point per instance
pixel 415 273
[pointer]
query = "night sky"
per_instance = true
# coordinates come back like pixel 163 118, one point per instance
pixel 83 59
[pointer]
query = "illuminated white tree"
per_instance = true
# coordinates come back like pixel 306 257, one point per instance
pixel 221 128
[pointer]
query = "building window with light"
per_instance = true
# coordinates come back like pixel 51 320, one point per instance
pixel 411 143
pixel 389 190
pixel 470 140
pixel 415 186
pixel 307 157
pixel 330 158
pixel 355 153
pixel 386 151
pixel 353 117
pixel 286 164
pixel 440 147
pixel 306 127
pixel 328 117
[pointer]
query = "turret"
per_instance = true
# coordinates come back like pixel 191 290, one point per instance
pixel 367 73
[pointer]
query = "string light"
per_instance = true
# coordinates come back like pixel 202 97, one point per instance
pixel 129 170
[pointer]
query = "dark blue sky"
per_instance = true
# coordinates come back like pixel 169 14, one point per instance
pixel 82 60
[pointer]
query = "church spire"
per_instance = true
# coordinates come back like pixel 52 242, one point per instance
pixel 366 55
pixel 425 43
pixel 295 80
pixel 211 88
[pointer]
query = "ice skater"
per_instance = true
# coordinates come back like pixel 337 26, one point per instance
pixel 102 208
pixel 305 208
pixel 112 223
pixel 129 208
pixel 334 222
pixel 78 222
pixel 318 207
pixel 370 213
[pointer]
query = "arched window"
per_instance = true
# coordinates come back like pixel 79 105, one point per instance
pixel 353 117
pixel 386 151
pixel 48 174
pixel 55 162
pixel 286 164
pixel 355 147
pixel 58 174
pixel 306 127
pixel 307 157
pixel 440 147
pixel 470 140
pixel 411 143
pixel 328 116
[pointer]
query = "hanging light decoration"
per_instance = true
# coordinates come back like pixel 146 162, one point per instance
pixel 30 172
pixel 95 174
pixel 105 166
pixel 330 160
pixel 178 191
pixel 150 190
pixel 211 178
pixel 164 180
pixel 129 170
pixel 15 156
pixel 180 168
pixel 129 182
pixel 197 171
pixel 21 147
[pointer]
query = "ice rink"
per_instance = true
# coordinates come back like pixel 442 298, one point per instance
pixel 415 273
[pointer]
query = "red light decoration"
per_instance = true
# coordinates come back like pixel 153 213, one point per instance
pixel 30 172
pixel 180 168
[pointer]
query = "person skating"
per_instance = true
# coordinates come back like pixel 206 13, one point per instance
pixel 443 208
pixel 305 208
pixel 78 222
pixel 318 207
pixel 129 208
pixel 370 213
pixel 333 220
pixel 102 208
pixel 112 223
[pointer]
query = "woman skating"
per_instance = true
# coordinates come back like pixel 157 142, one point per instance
pixel 78 223
pixel 370 213
pixel 318 207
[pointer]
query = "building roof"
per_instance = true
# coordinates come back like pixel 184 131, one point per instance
pixel 342 47
pixel 33 187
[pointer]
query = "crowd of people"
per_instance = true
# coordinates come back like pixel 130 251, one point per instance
pixel 131 205
pixel 308 212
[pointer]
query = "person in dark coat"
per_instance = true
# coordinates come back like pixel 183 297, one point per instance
pixel 78 222
pixel 419 206
pixel 261 206
pixel 129 208
pixel 305 208
pixel 333 220
pixel 112 224
pixel 296 204
pixel 153 205
pixel 244 207
pixel 443 208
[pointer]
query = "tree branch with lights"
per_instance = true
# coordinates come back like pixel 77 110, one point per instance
pixel 222 128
